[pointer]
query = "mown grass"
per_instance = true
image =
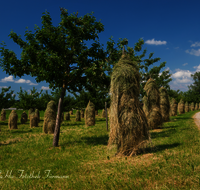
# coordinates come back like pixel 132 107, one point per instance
pixel 82 160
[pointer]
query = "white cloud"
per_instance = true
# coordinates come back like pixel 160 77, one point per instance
pixel 155 42
pixel 185 64
pixel 193 52
pixel 23 81
pixel 3 87
pixel 196 44
pixel 182 74
pixel 33 83
pixel 7 79
pixel 45 88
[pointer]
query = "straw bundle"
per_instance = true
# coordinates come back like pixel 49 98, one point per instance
pixel 173 107
pixel 103 113
pixel 71 112
pixel 181 107
pixel 90 114
pixel 24 117
pixel 82 113
pixel 12 121
pixel 154 116
pixel 196 106
pixel 78 115
pixel 186 107
pixel 67 116
pixel 50 118
pixel 96 112
pixel 128 123
pixel 164 104
pixel 33 119
pixel 192 106
pixel 37 114
pixel 31 110
pixel 3 115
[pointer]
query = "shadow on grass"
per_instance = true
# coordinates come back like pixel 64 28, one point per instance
pixel 18 131
pixel 96 140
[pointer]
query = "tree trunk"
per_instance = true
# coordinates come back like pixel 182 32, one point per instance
pixel 58 118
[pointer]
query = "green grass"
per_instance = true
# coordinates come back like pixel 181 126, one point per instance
pixel 172 162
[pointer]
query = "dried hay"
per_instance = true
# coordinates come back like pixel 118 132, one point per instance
pixel 71 112
pixel 186 107
pixel 96 112
pixel 164 104
pixel 31 110
pixel 153 105
pixel 192 106
pixel 12 121
pixel 3 115
pixel 174 107
pixel 82 113
pixel 90 114
pixel 33 120
pixel 196 106
pixel 128 123
pixel 78 115
pixel 181 107
pixel 24 117
pixel 50 118
pixel 103 113
pixel 67 116
pixel 37 114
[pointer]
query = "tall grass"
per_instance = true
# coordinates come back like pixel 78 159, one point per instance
pixel 82 160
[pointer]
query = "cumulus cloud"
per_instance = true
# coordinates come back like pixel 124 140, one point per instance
pixel 193 52
pixel 7 79
pixel 182 74
pixel 45 88
pixel 196 44
pixel 22 81
pixel 185 64
pixel 197 68
pixel 155 42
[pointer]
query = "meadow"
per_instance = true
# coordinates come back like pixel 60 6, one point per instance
pixel 28 159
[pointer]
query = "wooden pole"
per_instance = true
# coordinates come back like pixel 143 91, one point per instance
pixel 106 116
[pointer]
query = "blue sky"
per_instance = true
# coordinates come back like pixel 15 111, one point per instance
pixel 169 28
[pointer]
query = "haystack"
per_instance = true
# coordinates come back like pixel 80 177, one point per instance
pixel 192 106
pixel 181 107
pixel 50 118
pixel 154 115
pixel 90 114
pixel 196 106
pixel 78 115
pixel 71 112
pixel 3 115
pixel 164 104
pixel 96 112
pixel 37 114
pixel 67 116
pixel 12 121
pixel 128 123
pixel 103 113
pixel 82 113
pixel 24 117
pixel 33 120
pixel 173 107
pixel 31 110
pixel 186 107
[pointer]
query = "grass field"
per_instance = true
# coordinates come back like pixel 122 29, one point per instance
pixel 82 160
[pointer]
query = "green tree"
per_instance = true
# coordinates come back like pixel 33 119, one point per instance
pixel 59 55
pixel 196 85
pixel 7 99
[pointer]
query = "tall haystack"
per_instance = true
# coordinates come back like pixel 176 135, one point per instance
pixel 181 107
pixel 90 114
pixel 154 115
pixel 128 123
pixel 50 118
pixel 96 112
pixel 67 116
pixel 164 104
pixel 78 115
pixel 82 113
pixel 71 112
pixel 186 107
pixel 31 110
pixel 24 117
pixel 3 115
pixel 37 114
pixel 33 120
pixel 144 107
pixel 192 106
pixel 103 113
pixel 173 107
pixel 12 121
pixel 196 106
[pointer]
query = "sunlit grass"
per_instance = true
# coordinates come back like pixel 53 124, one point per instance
pixel 82 160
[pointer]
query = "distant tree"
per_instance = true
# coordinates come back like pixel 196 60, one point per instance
pixel 27 101
pixel 59 55
pixel 7 99
pixel 196 85
pixel 43 100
